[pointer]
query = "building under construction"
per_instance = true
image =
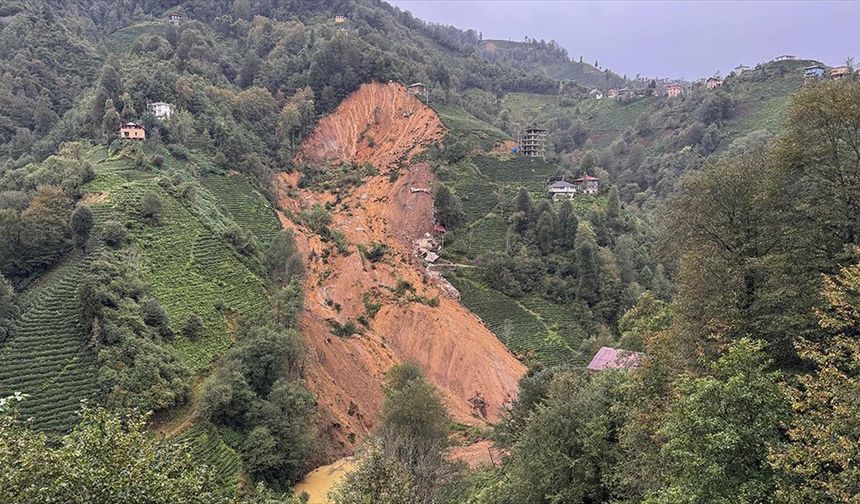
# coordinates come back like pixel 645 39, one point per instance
pixel 533 142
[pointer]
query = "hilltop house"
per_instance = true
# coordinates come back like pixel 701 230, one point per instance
pixel 713 83
pixel 741 69
pixel 814 72
pixel 614 358
pixel 132 131
pixel 340 19
pixel 785 57
pixel 561 189
pixel 674 90
pixel 839 72
pixel 175 18
pixel 587 184
pixel 596 94
pixel 418 89
pixel 532 142
pixel 160 110
pixel 618 94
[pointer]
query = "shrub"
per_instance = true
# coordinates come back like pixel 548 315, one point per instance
pixel 81 224
pixel 151 207
pixel 375 252
pixel 193 327
pixel 114 234
pixel 158 161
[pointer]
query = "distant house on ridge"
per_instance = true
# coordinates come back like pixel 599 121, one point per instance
pixel 674 90
pixel 713 83
pixel 160 110
pixel 814 72
pixel 418 89
pixel 587 184
pixel 132 131
pixel 741 69
pixel 614 358
pixel 561 189
pixel 839 72
pixel 175 18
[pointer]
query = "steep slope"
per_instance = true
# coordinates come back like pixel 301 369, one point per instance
pixel 394 297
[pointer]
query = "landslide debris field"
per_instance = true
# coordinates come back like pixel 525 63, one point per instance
pixel 369 301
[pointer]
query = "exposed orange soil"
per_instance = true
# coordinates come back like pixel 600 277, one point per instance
pixel 454 349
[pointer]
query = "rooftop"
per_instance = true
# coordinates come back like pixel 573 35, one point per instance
pixel 586 178
pixel 614 358
pixel 561 184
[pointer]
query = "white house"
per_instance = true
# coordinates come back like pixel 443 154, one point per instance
pixel 160 109
pixel 561 189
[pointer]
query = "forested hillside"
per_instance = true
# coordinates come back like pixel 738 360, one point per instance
pixel 304 261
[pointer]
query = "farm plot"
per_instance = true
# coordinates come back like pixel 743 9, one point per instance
pixel 524 333
pixel 532 173
pixel 46 357
pixel 209 448
pixel 189 268
pixel 244 203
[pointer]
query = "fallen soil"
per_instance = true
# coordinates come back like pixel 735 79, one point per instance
pixel 393 296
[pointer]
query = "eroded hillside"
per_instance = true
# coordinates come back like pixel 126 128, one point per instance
pixel 391 300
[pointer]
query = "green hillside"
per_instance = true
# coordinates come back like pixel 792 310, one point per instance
pixel 46 357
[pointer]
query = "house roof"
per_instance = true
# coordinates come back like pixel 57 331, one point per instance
pixel 132 125
pixel 156 104
pixel 614 358
pixel 440 228
pixel 417 84
pixel 714 79
pixel 561 184
pixel 586 178
pixel 815 67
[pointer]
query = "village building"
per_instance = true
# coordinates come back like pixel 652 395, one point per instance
pixel 340 19
pixel 674 90
pixel 132 131
pixel 418 89
pixel 160 110
pixel 175 18
pixel 839 72
pixel 561 189
pixel 713 83
pixel 615 358
pixel 785 57
pixel 741 69
pixel 612 93
pixel 814 72
pixel 587 184
pixel 596 94
pixel 533 142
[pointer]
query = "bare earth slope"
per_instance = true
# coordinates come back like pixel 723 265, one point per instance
pixel 455 350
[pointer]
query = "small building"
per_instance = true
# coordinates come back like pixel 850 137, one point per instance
pixel 741 69
pixel 419 89
pixel 839 72
pixel 132 131
pixel 615 358
pixel 596 94
pixel 814 72
pixel 160 110
pixel 340 19
pixel 587 184
pixel 674 90
pixel 713 83
pixel 785 57
pixel 533 142
pixel 440 228
pixel 175 18
pixel 561 189
pixel 612 93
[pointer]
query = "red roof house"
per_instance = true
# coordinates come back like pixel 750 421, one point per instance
pixel 440 228
pixel 614 358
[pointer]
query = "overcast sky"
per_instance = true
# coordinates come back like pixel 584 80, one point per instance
pixel 663 39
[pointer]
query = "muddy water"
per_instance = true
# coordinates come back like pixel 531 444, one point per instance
pixel 322 479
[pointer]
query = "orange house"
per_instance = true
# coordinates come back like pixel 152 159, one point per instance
pixel 674 90
pixel 713 82
pixel 132 131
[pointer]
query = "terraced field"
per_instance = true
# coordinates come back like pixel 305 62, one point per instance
pixel 244 203
pixel 190 269
pixel 46 356
pixel 521 329
pixel 209 448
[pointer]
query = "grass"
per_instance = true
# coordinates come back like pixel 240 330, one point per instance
pixel 46 357
pixel 122 39
pixel 525 331
pixel 189 267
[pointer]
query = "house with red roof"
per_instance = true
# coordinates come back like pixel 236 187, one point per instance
pixel 615 358
pixel 587 184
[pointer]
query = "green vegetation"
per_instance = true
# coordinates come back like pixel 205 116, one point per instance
pixel 245 205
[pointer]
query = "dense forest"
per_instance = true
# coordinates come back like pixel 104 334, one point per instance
pixel 151 348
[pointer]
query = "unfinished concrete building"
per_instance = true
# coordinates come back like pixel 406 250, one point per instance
pixel 533 142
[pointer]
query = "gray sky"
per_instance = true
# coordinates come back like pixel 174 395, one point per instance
pixel 663 39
